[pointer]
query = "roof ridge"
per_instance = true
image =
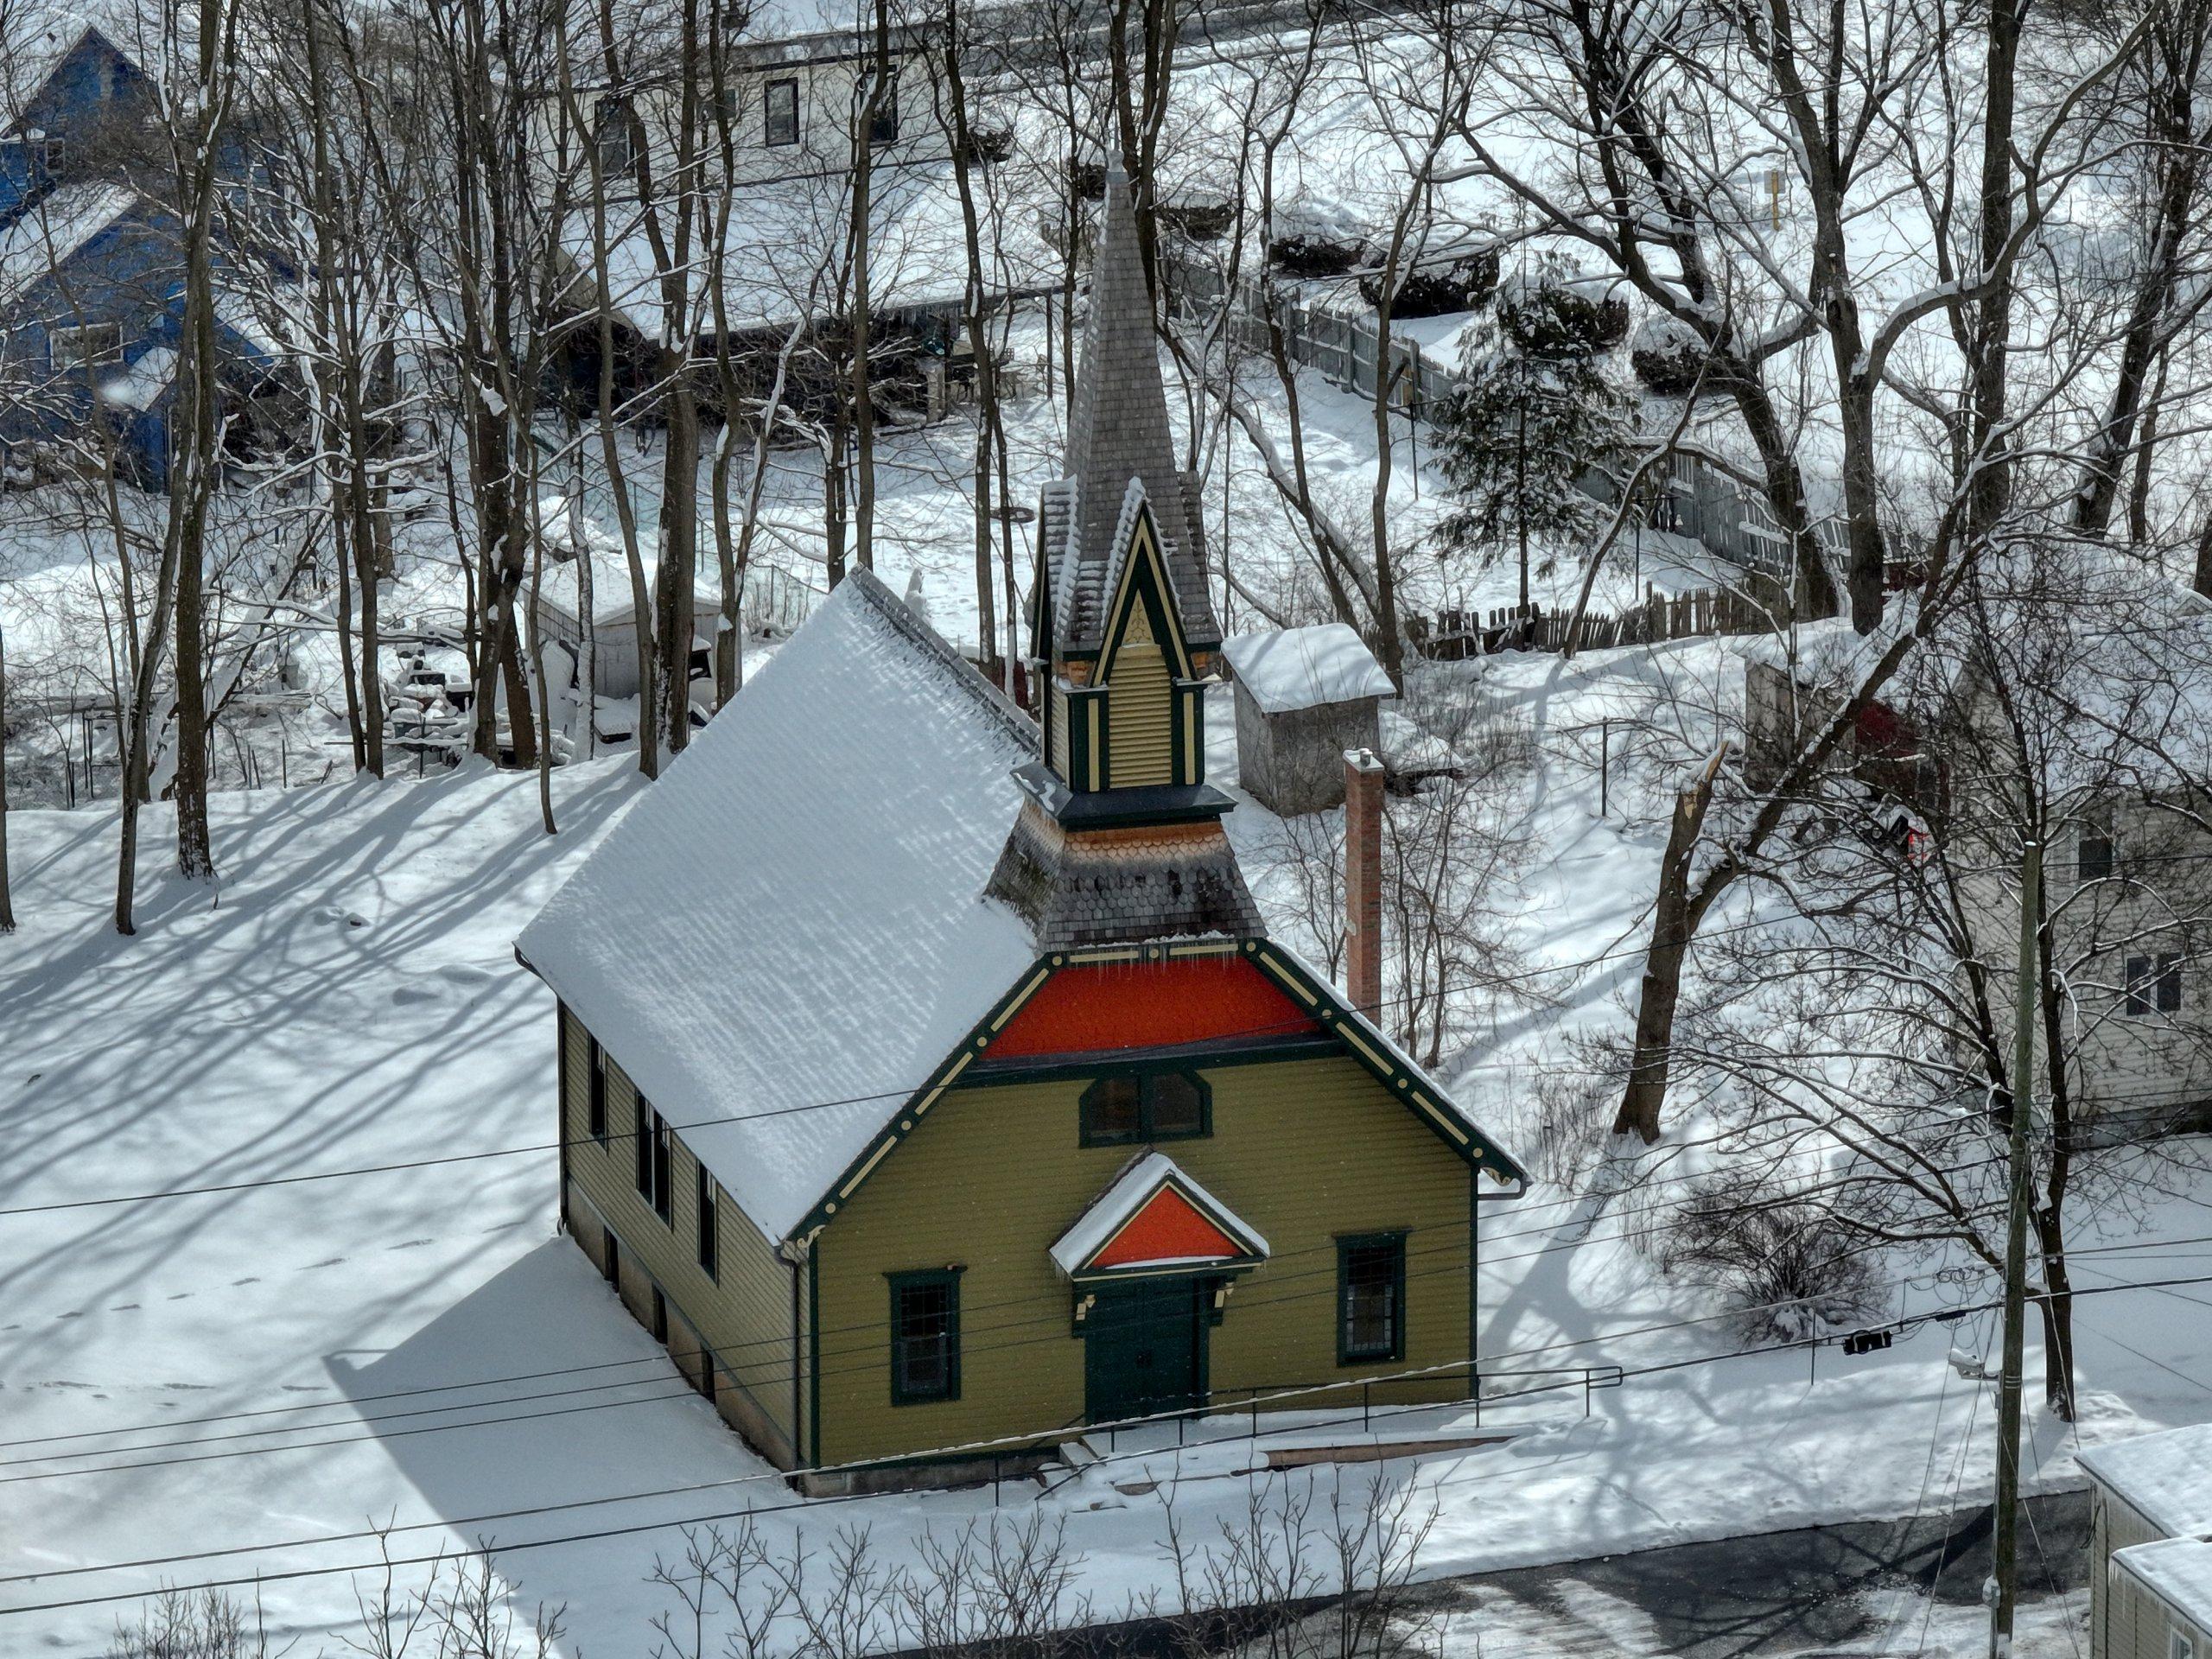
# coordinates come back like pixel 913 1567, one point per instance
pixel 893 610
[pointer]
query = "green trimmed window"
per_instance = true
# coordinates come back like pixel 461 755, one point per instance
pixel 710 1232
pixel 654 1155
pixel 924 1337
pixel 1370 1297
pixel 1126 1107
pixel 596 1086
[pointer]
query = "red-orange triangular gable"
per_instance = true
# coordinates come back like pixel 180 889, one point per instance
pixel 1091 1007
pixel 1169 1228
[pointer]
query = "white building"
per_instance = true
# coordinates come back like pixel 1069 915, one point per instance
pixel 2150 1546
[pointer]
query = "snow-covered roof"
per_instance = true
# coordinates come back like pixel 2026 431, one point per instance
pixel 1304 668
pixel 140 386
pixel 849 805
pixel 786 242
pixel 2167 1477
pixel 55 230
pixel 1129 1192
pixel 2178 1571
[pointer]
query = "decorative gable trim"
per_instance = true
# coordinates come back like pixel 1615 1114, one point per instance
pixel 1373 1051
pixel 1384 1060
pixel 1153 1218
pixel 1139 575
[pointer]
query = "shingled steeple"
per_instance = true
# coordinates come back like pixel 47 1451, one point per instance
pixel 1118 431
pixel 1121 838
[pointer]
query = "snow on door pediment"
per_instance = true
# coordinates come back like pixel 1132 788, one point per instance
pixel 1153 1218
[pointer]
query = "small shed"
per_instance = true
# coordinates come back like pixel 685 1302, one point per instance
pixel 2146 1495
pixel 1304 696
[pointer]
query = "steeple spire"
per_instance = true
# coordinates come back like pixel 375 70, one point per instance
pixel 1118 430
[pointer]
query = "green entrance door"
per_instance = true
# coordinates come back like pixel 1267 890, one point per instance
pixel 1145 1349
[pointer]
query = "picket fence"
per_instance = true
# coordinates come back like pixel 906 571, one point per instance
pixel 1454 635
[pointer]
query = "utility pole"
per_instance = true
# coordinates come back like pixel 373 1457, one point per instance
pixel 2006 1543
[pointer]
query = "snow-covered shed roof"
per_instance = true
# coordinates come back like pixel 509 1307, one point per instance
pixel 2167 1477
pixel 1127 1194
pixel 1286 669
pixel 2178 1571
pixel 139 387
pixel 847 806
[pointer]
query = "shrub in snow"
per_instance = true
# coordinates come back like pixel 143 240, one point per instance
pixel 1459 284
pixel 1666 355
pixel 1307 254
pixel 1779 1258
pixel 1552 313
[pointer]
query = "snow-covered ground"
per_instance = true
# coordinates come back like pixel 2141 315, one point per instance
pixel 269 1367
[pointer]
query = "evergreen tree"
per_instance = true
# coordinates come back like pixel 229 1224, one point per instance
pixel 1537 411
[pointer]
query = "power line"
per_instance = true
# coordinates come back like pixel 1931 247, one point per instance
pixel 999 1444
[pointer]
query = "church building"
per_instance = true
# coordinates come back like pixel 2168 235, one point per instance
pixel 959 1098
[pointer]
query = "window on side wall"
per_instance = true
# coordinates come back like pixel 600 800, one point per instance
pixel 92 346
pixel 924 1337
pixel 612 119
pixel 654 1150
pixel 2179 1646
pixel 2154 984
pixel 883 126
pixel 779 113
pixel 710 1242
pixel 596 1086
pixel 1370 1298
pixel 2094 856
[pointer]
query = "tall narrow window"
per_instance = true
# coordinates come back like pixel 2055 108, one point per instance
pixel 595 1088
pixel 883 126
pixel 1370 1298
pixel 652 1138
pixel 2093 856
pixel 779 111
pixel 709 1234
pixel 924 1337
pixel 611 120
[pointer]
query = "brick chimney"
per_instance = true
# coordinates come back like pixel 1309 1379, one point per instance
pixel 1364 880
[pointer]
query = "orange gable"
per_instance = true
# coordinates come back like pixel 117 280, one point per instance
pixel 1168 1229
pixel 1094 1007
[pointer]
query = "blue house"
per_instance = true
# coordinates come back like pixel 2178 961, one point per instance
pixel 92 269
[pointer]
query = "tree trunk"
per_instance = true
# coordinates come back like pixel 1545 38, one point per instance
pixel 7 898
pixel 1673 924
pixel 674 580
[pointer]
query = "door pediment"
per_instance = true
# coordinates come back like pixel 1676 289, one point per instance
pixel 1153 1219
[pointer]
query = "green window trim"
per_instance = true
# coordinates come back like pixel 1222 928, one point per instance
pixel 709 1225
pixel 1380 1262
pixel 925 1297
pixel 1154 1109
pixel 595 1087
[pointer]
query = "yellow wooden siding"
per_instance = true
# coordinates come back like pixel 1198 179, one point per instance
pixel 1057 754
pixel 1140 703
pixel 1302 1150
pixel 744 1314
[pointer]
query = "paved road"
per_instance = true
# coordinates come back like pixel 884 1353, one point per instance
pixel 1783 1592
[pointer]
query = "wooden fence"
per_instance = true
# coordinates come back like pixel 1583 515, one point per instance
pixel 1454 636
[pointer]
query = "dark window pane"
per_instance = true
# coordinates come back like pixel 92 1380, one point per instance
pixel 924 1346
pixel 1178 1105
pixel 2094 857
pixel 2139 985
pixel 2170 983
pixel 597 1085
pixel 1372 1275
pixel 642 1140
pixel 710 1239
pixel 663 1200
pixel 782 111
pixel 1112 1109
pixel 884 128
